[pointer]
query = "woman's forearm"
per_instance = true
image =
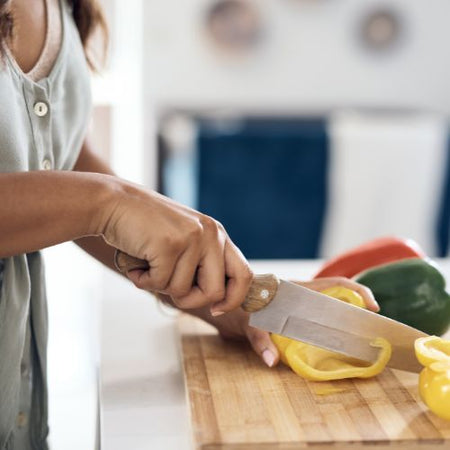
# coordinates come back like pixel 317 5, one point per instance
pixel 40 209
pixel 89 161
pixel 189 253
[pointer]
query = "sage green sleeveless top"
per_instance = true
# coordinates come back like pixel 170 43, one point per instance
pixel 42 127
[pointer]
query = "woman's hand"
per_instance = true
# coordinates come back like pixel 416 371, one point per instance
pixel 234 325
pixel 190 255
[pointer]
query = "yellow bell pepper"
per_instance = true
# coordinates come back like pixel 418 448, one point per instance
pixel 346 295
pixel 317 364
pixel 434 381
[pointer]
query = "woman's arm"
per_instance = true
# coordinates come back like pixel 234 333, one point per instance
pixel 96 246
pixel 233 325
pixel 40 209
pixel 190 254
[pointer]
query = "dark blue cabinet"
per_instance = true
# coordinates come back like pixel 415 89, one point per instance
pixel 266 181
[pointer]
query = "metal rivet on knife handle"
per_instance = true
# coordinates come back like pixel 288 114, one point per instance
pixel 124 262
pixel 261 292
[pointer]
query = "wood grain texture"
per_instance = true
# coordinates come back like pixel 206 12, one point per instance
pixel 236 403
pixel 261 292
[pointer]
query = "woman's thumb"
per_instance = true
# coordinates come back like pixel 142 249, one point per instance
pixel 263 346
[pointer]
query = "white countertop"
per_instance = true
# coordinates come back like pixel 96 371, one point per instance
pixel 142 396
pixel 143 403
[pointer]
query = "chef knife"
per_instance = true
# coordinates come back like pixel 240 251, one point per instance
pixel 285 308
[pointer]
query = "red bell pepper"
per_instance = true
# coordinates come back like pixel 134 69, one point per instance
pixel 370 254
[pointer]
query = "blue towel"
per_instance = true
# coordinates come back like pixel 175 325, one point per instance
pixel 266 181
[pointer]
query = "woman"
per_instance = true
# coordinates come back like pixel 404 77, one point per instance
pixel 54 189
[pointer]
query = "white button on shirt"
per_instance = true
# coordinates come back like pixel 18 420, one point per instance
pixel 47 164
pixel 40 109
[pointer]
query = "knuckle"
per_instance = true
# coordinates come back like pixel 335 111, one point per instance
pixel 195 230
pixel 368 292
pixel 209 224
pixel 178 292
pixel 247 273
pixel 340 280
pixel 252 333
pixel 183 303
pixel 258 341
pixel 215 295
pixel 158 283
pixel 172 243
pixel 220 227
pixel 178 303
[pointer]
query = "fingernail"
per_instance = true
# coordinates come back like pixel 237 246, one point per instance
pixel 268 357
pixel 217 313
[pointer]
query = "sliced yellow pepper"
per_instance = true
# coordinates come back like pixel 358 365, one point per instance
pixel 317 364
pixel 434 381
pixel 346 295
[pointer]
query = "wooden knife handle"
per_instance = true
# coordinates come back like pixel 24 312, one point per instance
pixel 260 294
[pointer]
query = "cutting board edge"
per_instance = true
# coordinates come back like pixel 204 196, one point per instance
pixel 193 327
pixel 344 445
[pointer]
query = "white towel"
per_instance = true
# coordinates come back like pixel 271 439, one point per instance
pixel 386 178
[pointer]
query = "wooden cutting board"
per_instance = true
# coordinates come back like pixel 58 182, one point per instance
pixel 237 403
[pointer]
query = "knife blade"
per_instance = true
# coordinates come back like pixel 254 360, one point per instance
pixel 286 308
pixel 299 313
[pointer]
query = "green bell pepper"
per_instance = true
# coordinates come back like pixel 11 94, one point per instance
pixel 411 291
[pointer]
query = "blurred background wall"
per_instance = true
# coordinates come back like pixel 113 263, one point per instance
pixel 306 125
pixel 303 55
